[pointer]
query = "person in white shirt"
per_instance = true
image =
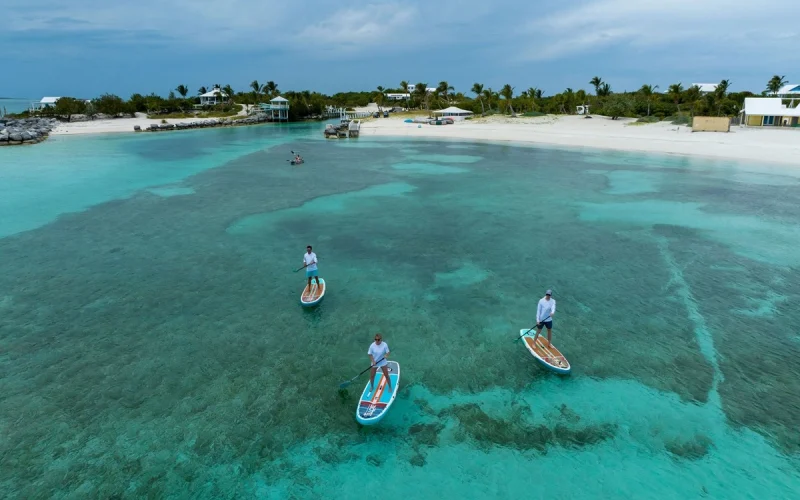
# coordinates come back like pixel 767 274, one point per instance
pixel 544 315
pixel 310 263
pixel 378 353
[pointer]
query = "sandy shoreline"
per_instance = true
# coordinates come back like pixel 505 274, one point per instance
pixel 119 125
pixel 744 144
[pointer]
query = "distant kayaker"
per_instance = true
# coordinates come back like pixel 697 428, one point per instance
pixel 544 315
pixel 310 263
pixel 298 159
pixel 378 352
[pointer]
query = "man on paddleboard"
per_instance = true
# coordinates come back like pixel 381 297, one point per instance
pixel 544 315
pixel 310 263
pixel 378 351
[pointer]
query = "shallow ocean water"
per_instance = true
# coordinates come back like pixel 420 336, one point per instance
pixel 152 342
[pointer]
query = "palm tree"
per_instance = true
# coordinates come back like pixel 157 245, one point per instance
pixel 271 88
pixel 596 82
pixel 405 87
pixel 508 94
pixel 675 90
pixel 182 90
pixel 775 83
pixel 604 90
pixel 380 97
pixel 229 91
pixel 692 94
pixel 647 91
pixel 568 102
pixel 421 90
pixel 477 89
pixel 444 87
pixel 257 90
pixel 202 90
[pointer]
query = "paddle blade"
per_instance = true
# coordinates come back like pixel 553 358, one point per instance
pixel 344 385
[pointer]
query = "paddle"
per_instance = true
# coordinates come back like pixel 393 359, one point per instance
pixel 299 268
pixel 345 384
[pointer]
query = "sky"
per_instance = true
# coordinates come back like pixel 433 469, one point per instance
pixel 84 48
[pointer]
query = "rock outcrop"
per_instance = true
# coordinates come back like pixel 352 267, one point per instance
pixel 25 130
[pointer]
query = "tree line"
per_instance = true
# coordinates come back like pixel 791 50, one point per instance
pixel 647 102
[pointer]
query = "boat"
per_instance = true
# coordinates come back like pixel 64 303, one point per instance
pixel 373 406
pixel 545 352
pixel 293 162
pixel 313 295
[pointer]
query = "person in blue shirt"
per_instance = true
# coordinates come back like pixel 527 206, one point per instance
pixel 544 316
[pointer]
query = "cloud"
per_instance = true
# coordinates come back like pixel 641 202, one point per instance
pixel 724 25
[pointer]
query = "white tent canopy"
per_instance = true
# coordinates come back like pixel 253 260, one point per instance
pixel 453 111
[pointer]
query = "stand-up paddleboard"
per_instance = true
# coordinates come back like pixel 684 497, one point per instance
pixel 372 406
pixel 313 295
pixel 546 353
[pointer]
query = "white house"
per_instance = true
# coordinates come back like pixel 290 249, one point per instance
pixel 706 88
pixel 215 96
pixel 769 111
pixel 279 107
pixel 398 97
pixel 454 113
pixel 46 102
pixel 792 90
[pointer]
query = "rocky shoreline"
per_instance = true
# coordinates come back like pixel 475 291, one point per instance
pixel 213 122
pixel 25 130
pixel 21 131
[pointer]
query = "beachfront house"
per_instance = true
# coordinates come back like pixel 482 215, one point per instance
pixel 279 108
pixel 212 98
pixel 706 88
pixel 769 112
pixel 792 90
pixel 46 102
pixel 398 97
pixel 453 112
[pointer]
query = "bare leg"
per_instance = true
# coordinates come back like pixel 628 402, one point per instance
pixel 317 278
pixel 309 282
pixel 538 331
pixel 549 336
pixel 371 378
pixel 386 374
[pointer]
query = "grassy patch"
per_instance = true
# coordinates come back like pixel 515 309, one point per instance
pixel 648 119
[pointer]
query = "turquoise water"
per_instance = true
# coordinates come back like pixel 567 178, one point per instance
pixel 15 105
pixel 152 343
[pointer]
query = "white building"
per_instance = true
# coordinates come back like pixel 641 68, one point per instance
pixel 279 108
pixel 398 97
pixel 792 90
pixel 706 88
pixel 46 102
pixel 453 112
pixel 215 96
pixel 769 112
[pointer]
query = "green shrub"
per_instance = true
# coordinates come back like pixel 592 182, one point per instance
pixel 533 113
pixel 649 119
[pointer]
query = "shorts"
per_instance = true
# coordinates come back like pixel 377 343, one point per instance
pixel 381 364
pixel 547 324
pixel 311 274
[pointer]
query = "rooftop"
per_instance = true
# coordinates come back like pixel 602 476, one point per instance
pixel 768 106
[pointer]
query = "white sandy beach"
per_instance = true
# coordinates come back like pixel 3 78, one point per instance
pixel 118 125
pixel 746 144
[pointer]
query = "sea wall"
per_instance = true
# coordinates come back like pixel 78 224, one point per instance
pixel 213 122
pixel 25 130
pixel 711 124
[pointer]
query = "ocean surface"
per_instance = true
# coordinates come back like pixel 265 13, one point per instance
pixel 15 105
pixel 152 343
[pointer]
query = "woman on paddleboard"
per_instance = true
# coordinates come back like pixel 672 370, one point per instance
pixel 544 316
pixel 378 351
pixel 310 263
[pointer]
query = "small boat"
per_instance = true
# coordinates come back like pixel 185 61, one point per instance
pixel 372 406
pixel 293 162
pixel 545 353
pixel 313 295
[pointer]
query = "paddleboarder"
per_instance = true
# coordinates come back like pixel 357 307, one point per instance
pixel 544 315
pixel 378 351
pixel 310 263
